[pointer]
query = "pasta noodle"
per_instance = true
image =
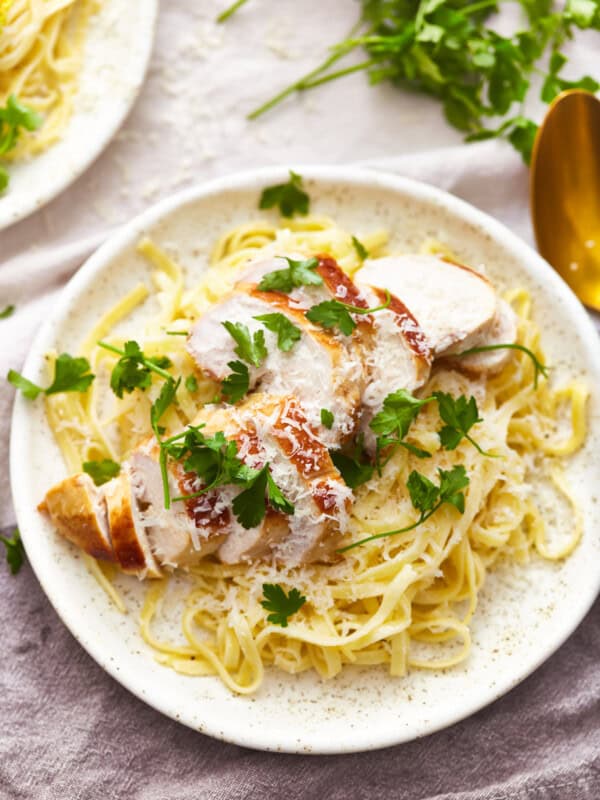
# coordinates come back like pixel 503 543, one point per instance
pixel 41 48
pixel 406 601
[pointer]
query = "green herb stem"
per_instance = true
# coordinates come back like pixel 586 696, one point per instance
pixel 422 518
pixel 540 369
pixel 147 362
pixel 224 15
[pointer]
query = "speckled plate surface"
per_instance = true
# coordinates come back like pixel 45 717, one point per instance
pixel 525 612
pixel 117 51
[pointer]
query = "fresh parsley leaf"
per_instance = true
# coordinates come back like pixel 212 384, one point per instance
pixel 399 411
pixel 133 370
pixel 554 84
pixel 8 311
pixel 327 418
pixel 289 197
pixel 15 552
pixel 427 498
pixel 70 375
pixel 459 415
pixel 361 250
pixel 250 505
pixel 101 471
pixel 26 387
pixel 287 333
pixel 163 401
pixel 236 385
pixel 539 368
pixel 4 179
pixel 452 482
pixel 249 348
pixel 14 117
pixel 191 383
pixel 276 497
pixel 281 605
pixel 297 273
pixel 355 467
pixel 334 314
pixel 423 493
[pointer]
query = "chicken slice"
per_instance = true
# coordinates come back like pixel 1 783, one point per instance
pixel 502 331
pixel 276 430
pixel 77 509
pixel 456 307
pixel 320 370
pixel 183 534
pixel 128 529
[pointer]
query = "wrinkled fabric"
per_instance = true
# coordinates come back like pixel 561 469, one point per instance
pixel 68 730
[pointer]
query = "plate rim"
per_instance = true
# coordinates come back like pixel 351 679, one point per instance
pixel 8 219
pixel 363 177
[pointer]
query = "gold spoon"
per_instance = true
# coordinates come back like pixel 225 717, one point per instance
pixel 565 192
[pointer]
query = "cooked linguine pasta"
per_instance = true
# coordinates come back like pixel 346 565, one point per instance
pixel 41 49
pixel 405 601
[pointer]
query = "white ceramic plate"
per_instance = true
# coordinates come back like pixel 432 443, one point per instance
pixel 117 51
pixel 525 612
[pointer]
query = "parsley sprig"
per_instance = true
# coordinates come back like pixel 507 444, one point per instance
pixel 296 274
pixel 393 422
pixel 460 415
pixel 427 498
pixel 335 314
pixel 133 370
pixel 15 117
pixel 237 383
pixel 447 50
pixel 14 551
pixel 290 198
pixel 70 375
pixel 281 605
pixel 355 466
pixel 538 367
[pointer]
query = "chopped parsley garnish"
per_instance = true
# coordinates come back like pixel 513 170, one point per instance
pixel 281 605
pixel 450 51
pixel 327 418
pixel 177 333
pixel 7 312
pixel 236 384
pixel 15 552
pixel 165 398
pixel 539 368
pixel 133 370
pixel 191 383
pixel 460 415
pixel 250 348
pixel 250 505
pixel 70 375
pixel 427 498
pixel 101 471
pixel 361 250
pixel 289 197
pixel 287 333
pixel 355 467
pixel 14 118
pixel 334 314
pixel 296 274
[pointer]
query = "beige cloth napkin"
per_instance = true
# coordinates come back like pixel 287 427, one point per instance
pixel 69 731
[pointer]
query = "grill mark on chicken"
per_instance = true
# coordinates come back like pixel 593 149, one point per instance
pixel 408 325
pixel 334 278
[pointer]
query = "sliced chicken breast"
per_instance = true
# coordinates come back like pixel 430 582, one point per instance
pixel 320 369
pixel 77 508
pixel 455 306
pixel 128 529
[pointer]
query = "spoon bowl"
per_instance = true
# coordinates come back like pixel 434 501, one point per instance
pixel 565 192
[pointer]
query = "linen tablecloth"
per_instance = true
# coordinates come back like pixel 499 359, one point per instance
pixel 69 731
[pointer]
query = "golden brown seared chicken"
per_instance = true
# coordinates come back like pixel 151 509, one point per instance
pixel 125 520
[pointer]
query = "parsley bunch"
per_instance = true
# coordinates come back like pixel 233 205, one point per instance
pixel 445 48
pixel 70 375
pixel 281 605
